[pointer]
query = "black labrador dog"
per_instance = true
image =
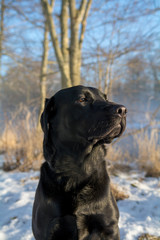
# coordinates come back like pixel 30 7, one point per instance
pixel 73 200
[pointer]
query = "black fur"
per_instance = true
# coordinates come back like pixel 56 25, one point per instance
pixel 73 200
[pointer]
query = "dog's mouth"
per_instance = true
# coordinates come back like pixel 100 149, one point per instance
pixel 107 134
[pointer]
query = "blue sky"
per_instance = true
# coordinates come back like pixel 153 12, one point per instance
pixel 26 38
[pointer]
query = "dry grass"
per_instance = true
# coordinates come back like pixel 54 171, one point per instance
pixel 118 160
pixel 115 154
pixel 145 152
pixel 118 193
pixel 148 237
pixel 148 145
pixel 21 142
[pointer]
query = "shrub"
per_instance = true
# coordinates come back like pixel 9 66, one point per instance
pixel 21 141
pixel 148 146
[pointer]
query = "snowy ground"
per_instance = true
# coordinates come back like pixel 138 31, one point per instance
pixel 140 213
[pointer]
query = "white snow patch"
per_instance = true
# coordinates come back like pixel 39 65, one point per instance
pixel 139 214
pixel 17 192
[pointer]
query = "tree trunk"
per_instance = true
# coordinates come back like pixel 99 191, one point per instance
pixel 65 41
pixel 68 53
pixel 63 67
pixel 108 78
pixel 43 73
pixel 74 54
pixel 78 18
pixel 1 34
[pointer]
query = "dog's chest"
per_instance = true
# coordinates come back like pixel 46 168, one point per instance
pixel 93 196
pixel 90 202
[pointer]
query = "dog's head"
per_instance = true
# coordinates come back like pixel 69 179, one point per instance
pixel 81 115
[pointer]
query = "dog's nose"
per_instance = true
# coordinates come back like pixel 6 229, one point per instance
pixel 122 111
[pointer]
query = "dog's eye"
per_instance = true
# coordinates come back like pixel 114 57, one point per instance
pixel 82 100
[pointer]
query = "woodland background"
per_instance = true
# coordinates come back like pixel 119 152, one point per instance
pixel 109 44
pixel 114 45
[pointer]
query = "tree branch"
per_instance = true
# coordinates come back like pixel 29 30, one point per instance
pixel 52 3
pixel 83 26
pixel 47 8
pixel 48 14
pixel 64 30
pixel 72 8
pixel 74 44
pixel 43 72
pixel 81 11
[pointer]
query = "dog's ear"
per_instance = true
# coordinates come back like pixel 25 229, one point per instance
pixel 44 117
pixel 48 147
pixel 49 107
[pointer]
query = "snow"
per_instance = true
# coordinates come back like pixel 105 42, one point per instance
pixel 17 191
pixel 139 214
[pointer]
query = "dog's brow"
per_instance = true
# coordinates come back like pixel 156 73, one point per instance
pixel 88 94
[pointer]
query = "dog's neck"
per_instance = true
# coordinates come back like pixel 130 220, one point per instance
pixel 85 158
pixel 88 165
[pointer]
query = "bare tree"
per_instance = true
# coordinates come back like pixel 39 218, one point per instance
pixel 68 48
pixel 43 74
pixel 1 32
pixel 105 59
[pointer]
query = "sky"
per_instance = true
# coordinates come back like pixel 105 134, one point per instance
pixel 24 28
